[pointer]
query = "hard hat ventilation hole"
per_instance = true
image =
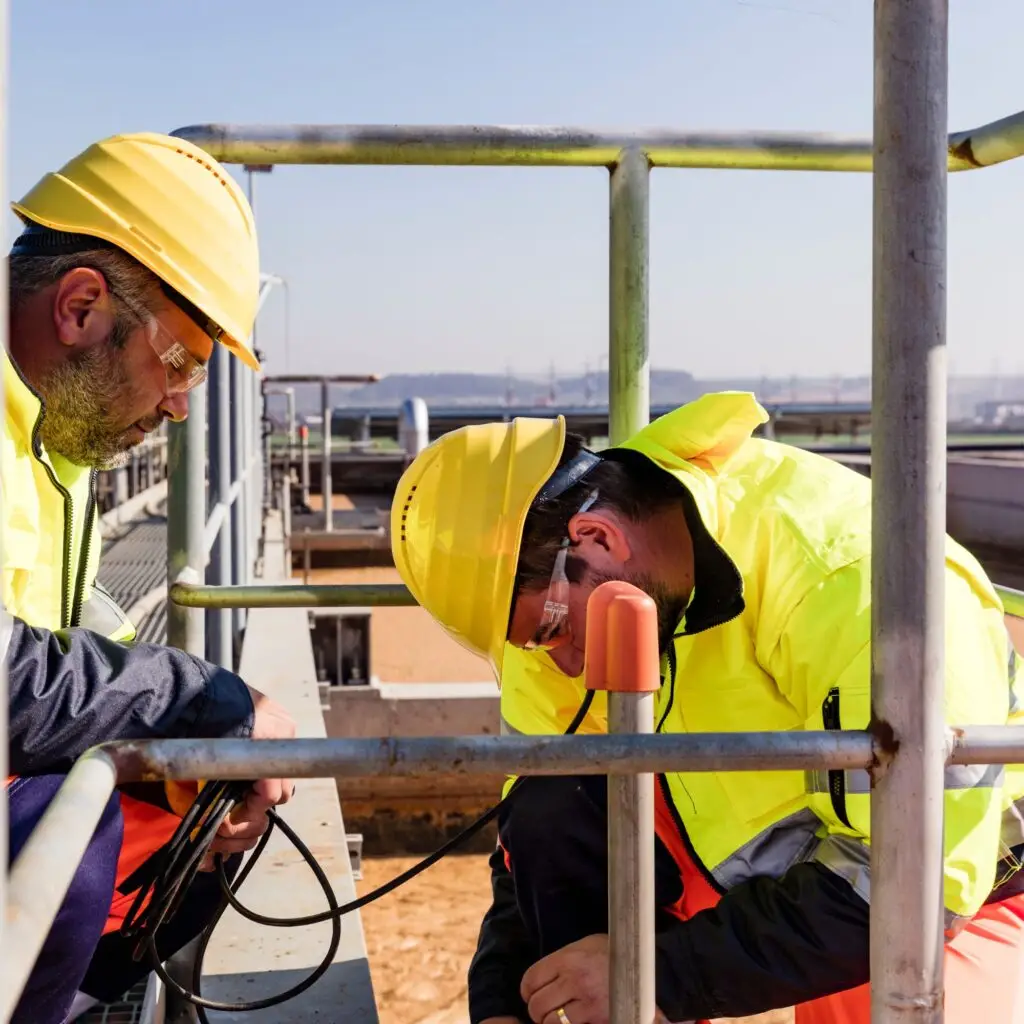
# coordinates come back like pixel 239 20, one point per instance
pixel 405 513
pixel 203 163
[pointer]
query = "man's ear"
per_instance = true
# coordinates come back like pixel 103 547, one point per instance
pixel 82 315
pixel 601 531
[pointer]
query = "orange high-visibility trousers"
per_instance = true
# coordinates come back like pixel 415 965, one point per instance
pixel 984 975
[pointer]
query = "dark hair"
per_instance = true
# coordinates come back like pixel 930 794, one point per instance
pixel 627 482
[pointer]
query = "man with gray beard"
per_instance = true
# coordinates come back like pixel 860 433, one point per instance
pixel 136 258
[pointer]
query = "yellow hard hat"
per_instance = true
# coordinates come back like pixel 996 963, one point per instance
pixel 457 524
pixel 176 210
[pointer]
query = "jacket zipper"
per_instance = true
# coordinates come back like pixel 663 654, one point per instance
pixel 836 777
pixel 83 564
pixel 677 822
pixel 37 449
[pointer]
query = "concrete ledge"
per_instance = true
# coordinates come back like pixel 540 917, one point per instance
pixel 247 961
pixel 412 709
pixel 409 815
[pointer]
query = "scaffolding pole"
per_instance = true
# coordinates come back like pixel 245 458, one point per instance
pixel 908 509
pixel 628 293
pixel 186 519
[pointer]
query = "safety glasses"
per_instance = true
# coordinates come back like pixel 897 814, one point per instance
pixel 183 371
pixel 552 631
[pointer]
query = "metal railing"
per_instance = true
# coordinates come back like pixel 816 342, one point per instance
pixel 909 156
pixel 215 500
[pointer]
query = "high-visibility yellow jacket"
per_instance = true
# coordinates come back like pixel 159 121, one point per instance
pixel 51 534
pixel 777 637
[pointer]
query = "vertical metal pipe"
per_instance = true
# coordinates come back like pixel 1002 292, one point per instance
pixel 631 871
pixel 326 484
pixel 304 463
pixel 218 620
pixel 238 515
pixel 908 507
pixel 4 621
pixel 268 475
pixel 628 357
pixel 186 519
pixel 245 490
pixel 256 456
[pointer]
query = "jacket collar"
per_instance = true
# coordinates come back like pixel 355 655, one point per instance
pixel 22 406
pixel 693 444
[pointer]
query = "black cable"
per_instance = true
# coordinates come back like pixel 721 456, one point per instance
pixel 159 897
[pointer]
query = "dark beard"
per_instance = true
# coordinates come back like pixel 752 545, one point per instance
pixel 81 400
pixel 670 605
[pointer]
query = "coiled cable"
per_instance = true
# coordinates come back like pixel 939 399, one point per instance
pixel 159 898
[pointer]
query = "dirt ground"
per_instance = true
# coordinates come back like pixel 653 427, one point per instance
pixel 421 938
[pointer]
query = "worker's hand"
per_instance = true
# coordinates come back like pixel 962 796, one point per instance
pixel 244 826
pixel 574 979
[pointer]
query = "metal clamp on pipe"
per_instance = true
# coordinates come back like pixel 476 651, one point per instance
pixel 622 659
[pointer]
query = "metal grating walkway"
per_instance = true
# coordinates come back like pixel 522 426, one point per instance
pixel 134 565
pixel 127 1010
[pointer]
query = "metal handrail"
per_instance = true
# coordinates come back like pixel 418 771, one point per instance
pixel 355 595
pixel 59 840
pixel 220 435
pixel 556 146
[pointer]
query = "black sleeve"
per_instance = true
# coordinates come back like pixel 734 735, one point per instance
pixel 504 952
pixel 767 944
pixel 72 689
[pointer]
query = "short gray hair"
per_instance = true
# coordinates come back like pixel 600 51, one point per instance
pixel 126 276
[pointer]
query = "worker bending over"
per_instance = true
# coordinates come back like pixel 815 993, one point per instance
pixel 136 258
pixel 758 557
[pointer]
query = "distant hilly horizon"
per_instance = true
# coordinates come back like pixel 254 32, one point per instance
pixel 668 387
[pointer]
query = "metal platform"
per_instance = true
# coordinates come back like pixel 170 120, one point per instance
pixel 134 569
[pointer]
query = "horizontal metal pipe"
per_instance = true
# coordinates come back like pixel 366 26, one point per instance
pixel 543 146
pixel 1013 601
pixel 532 755
pixel 287 596
pixel 319 378
pixel 987 744
pixel 482 755
pixel 362 595
pixel 43 870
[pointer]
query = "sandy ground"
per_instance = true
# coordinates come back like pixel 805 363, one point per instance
pixel 421 938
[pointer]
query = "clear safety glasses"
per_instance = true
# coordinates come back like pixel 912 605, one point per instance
pixel 184 372
pixel 552 630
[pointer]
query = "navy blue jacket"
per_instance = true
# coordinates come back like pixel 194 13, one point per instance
pixel 71 689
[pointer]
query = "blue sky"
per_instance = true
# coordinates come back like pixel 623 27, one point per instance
pixel 428 269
